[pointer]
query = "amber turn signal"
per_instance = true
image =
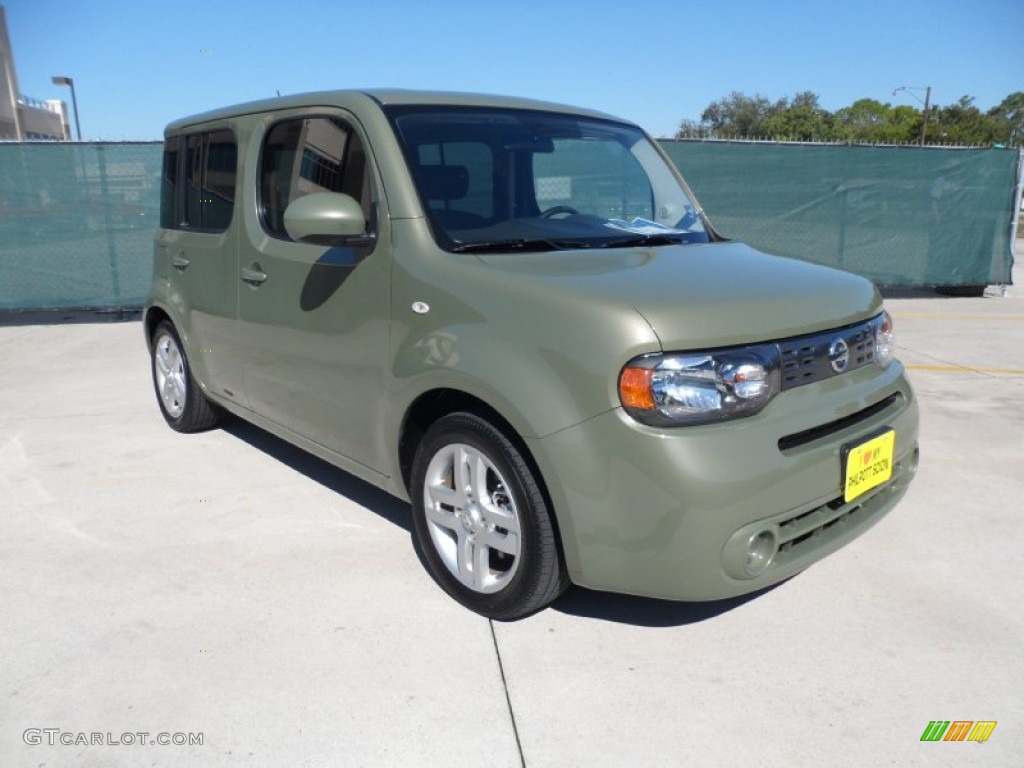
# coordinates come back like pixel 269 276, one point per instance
pixel 635 388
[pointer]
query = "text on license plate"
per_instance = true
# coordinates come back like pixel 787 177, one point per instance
pixel 868 464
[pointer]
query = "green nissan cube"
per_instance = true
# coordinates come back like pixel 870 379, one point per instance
pixel 516 316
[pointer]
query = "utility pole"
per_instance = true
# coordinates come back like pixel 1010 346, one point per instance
pixel 927 104
pixel 927 110
pixel 74 101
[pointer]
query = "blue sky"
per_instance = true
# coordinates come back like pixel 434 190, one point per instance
pixel 139 64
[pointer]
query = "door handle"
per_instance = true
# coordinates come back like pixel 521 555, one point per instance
pixel 253 275
pixel 180 262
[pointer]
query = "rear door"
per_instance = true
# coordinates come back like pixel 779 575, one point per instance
pixel 198 250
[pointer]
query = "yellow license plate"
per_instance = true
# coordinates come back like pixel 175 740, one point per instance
pixel 868 464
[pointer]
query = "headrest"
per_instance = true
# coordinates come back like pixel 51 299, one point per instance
pixel 444 182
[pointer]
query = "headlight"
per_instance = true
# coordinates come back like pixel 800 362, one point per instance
pixel 699 387
pixel 885 340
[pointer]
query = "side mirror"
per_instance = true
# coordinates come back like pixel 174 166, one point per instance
pixel 326 218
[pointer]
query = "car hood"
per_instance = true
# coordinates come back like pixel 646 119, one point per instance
pixel 701 295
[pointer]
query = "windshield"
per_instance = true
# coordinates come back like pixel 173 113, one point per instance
pixel 508 179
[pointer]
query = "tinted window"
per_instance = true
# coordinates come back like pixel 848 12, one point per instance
pixel 211 161
pixel 169 185
pixel 194 184
pixel 477 160
pixel 306 155
pixel 219 179
pixel 509 179
pixel 599 176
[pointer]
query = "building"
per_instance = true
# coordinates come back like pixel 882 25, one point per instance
pixel 23 118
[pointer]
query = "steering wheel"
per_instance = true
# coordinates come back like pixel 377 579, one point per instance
pixel 554 211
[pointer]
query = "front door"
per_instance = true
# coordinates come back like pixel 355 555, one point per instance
pixel 314 321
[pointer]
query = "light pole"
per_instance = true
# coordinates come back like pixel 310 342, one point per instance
pixel 927 103
pixel 74 102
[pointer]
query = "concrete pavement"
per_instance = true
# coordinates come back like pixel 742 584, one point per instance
pixel 229 585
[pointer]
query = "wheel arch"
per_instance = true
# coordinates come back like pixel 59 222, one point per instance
pixel 435 404
pixel 153 317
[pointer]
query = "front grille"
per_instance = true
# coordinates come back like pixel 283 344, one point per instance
pixel 817 527
pixel 805 359
pixel 804 534
pixel 801 529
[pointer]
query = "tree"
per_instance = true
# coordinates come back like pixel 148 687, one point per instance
pixel 905 124
pixel 737 115
pixel 801 119
pixel 962 123
pixel 869 121
pixel 691 129
pixel 866 121
pixel 1009 119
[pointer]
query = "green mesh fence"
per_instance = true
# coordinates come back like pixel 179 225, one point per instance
pixel 902 216
pixel 77 224
pixel 77 220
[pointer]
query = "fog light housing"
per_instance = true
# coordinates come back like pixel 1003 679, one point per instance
pixel 751 550
pixel 761 549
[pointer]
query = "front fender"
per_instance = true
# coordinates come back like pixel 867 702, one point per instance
pixel 544 358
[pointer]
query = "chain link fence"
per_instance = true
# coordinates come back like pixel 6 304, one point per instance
pixel 901 216
pixel 77 220
pixel 77 224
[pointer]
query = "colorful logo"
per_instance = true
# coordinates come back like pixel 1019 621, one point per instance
pixel 958 730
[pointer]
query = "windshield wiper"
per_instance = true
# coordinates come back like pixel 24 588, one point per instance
pixel 631 242
pixel 519 244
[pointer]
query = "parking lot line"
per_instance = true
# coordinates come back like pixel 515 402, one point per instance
pixel 958 316
pixel 967 369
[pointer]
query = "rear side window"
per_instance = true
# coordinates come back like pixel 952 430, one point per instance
pixel 207 163
pixel 306 155
pixel 211 161
pixel 169 185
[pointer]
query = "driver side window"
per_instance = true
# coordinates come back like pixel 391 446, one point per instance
pixel 305 155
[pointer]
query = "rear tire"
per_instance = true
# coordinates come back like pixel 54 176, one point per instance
pixel 482 520
pixel 182 403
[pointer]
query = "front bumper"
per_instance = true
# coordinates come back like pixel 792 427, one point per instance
pixel 669 512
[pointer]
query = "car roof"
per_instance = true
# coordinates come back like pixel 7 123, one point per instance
pixel 382 97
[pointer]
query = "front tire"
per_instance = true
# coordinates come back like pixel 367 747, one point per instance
pixel 182 403
pixel 482 520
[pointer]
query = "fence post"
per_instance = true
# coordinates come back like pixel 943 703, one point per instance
pixel 840 257
pixel 1017 198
